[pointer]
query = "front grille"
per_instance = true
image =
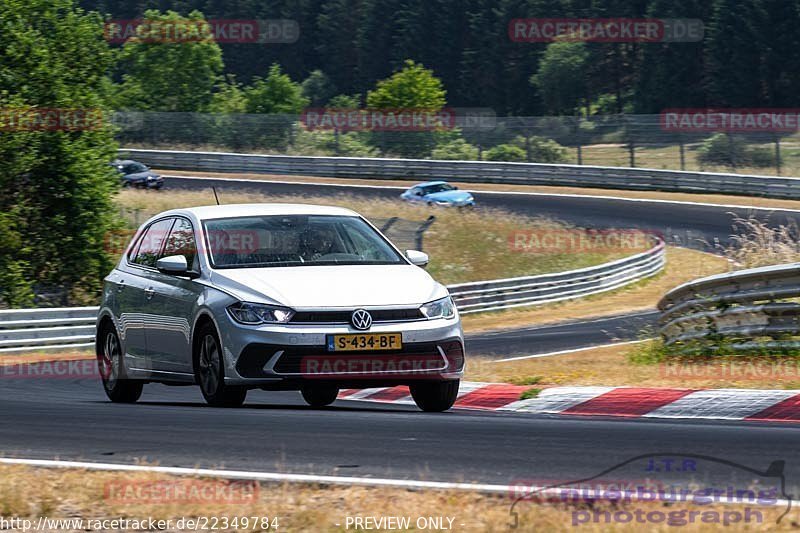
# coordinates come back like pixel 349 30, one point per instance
pixel 343 317
pixel 255 356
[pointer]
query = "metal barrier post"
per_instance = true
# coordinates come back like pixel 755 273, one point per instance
pixel 421 231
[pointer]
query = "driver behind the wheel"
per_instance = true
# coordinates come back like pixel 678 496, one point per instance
pixel 318 243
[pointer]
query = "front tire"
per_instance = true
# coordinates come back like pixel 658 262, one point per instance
pixel 111 363
pixel 319 395
pixel 435 397
pixel 210 373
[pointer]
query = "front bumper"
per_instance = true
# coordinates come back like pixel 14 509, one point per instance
pixel 287 356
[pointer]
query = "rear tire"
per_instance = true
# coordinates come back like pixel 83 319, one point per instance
pixel 210 372
pixel 319 395
pixel 435 397
pixel 111 363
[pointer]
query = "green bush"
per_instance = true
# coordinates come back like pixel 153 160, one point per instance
pixel 762 157
pixel 506 152
pixel 729 151
pixel 544 150
pixel 321 143
pixel 455 150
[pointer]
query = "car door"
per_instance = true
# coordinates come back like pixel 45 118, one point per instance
pixel 131 295
pixel 417 195
pixel 172 301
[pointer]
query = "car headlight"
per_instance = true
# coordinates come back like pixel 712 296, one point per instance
pixel 252 314
pixel 443 308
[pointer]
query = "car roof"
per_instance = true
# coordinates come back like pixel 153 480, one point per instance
pixel 427 183
pixel 211 212
pixel 123 162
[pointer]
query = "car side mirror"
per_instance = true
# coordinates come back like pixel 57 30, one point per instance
pixel 174 265
pixel 418 258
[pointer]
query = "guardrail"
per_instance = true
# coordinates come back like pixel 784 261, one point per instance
pixel 74 327
pixel 735 309
pixel 48 328
pixel 473 172
pixel 547 288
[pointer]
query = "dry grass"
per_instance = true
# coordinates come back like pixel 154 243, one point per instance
pixel 682 265
pixel 31 493
pixel 463 245
pixel 719 199
pixel 613 366
pixel 756 244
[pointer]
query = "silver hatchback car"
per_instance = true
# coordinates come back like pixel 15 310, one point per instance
pixel 275 297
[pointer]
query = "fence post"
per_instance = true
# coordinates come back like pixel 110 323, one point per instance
pixel 389 224
pixel 777 155
pixel 632 153
pixel 528 146
pixel 421 231
pixel 683 152
pixel 631 143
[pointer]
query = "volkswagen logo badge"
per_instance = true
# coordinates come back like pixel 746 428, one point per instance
pixel 361 319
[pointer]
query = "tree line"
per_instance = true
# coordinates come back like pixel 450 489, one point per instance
pixel 749 54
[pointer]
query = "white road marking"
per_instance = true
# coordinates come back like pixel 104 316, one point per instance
pixel 722 404
pixel 556 400
pixel 570 322
pixel 571 350
pixel 263 476
pixel 363 393
pixel 511 490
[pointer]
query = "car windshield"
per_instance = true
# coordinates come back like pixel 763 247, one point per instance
pixel 439 187
pixel 134 168
pixel 295 240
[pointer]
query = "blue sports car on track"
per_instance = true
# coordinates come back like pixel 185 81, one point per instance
pixel 438 193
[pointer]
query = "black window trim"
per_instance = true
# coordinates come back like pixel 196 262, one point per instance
pixel 194 236
pixel 128 260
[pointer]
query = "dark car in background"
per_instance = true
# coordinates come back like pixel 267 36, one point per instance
pixel 136 174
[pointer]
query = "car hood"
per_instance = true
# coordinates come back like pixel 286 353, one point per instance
pixel 331 286
pixel 449 196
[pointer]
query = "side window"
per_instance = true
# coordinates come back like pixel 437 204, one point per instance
pixel 181 242
pixel 151 242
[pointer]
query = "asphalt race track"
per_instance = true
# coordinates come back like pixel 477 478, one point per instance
pixel 275 432
pixel 563 336
pixel 693 224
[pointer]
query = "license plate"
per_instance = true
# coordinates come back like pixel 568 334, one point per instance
pixel 367 342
